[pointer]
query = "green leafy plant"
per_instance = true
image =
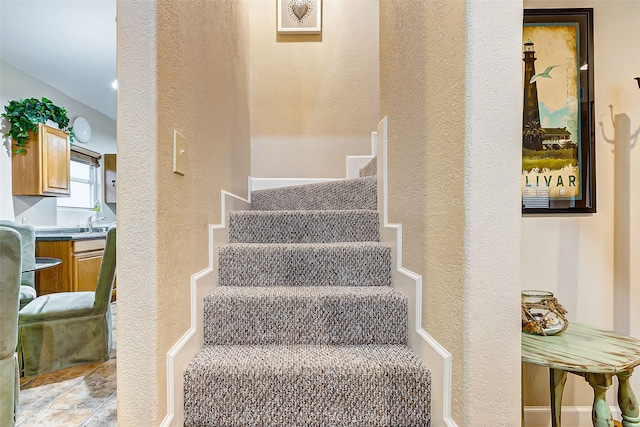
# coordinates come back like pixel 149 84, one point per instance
pixel 24 116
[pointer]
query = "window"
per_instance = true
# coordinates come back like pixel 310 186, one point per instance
pixel 84 176
pixel 83 187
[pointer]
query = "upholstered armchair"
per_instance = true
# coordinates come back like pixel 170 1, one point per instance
pixel 60 330
pixel 27 284
pixel 10 266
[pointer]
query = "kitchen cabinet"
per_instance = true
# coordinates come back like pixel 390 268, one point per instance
pixel 44 169
pixel 79 268
pixel 110 167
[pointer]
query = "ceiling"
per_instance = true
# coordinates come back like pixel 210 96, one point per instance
pixel 68 44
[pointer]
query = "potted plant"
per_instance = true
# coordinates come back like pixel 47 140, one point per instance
pixel 25 115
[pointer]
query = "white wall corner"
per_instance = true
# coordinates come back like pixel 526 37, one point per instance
pixel 435 357
pixel 355 163
pixel 202 283
pixel 6 193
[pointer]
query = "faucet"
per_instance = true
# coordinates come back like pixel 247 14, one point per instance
pixel 91 223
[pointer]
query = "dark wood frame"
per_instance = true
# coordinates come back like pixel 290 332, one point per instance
pixel 587 171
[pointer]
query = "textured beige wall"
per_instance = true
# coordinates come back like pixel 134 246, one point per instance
pixel 444 99
pixel 314 99
pixel 588 261
pixel 422 86
pixel 493 212
pixel 183 66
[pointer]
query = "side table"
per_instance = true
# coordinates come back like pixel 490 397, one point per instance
pixel 594 354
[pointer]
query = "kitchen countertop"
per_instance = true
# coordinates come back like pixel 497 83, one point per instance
pixel 63 234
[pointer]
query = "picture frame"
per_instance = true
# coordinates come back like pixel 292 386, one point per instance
pixel 299 16
pixel 558 130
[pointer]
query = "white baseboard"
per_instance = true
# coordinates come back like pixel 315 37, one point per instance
pixel 191 342
pixel 266 183
pixel 437 359
pixel 572 416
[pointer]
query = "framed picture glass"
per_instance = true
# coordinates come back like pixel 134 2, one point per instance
pixel 558 132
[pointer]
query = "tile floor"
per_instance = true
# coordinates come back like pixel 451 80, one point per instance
pixel 80 396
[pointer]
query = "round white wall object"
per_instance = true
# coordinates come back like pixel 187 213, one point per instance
pixel 82 129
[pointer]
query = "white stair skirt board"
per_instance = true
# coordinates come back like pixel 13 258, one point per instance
pixel 572 416
pixel 437 359
pixel 355 163
pixel 202 283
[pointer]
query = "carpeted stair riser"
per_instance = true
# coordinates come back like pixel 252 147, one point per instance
pixel 357 193
pixel 319 264
pixel 289 386
pixel 305 315
pixel 303 226
pixel 370 169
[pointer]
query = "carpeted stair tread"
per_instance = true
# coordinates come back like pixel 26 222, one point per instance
pixel 355 193
pixel 303 226
pixel 305 315
pixel 306 385
pixel 305 264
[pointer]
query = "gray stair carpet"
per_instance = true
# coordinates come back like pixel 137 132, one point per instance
pixel 315 264
pixel 306 315
pixel 355 193
pixel 297 226
pixel 304 328
pixel 307 385
pixel 370 169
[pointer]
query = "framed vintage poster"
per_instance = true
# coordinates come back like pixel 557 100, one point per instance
pixel 558 133
pixel 299 16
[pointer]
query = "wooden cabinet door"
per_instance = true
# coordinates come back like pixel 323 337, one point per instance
pixel 44 169
pixel 79 269
pixel 55 161
pixel 109 184
pixel 55 279
pixel 86 267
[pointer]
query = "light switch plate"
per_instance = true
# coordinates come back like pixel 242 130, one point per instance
pixel 179 153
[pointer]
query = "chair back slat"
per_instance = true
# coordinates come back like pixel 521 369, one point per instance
pixel 107 274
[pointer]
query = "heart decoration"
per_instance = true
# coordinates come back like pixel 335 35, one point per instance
pixel 300 9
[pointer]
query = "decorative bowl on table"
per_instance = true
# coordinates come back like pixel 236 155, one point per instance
pixel 542 314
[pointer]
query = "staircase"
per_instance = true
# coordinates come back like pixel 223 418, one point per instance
pixel 304 328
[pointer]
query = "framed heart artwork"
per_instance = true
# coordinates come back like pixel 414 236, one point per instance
pixel 299 16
